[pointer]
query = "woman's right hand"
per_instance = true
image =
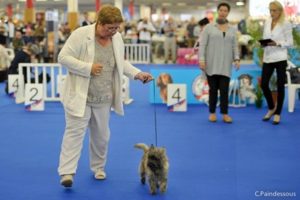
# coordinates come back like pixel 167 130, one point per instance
pixel 96 69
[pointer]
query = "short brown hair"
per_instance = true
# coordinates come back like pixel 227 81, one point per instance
pixel 225 5
pixel 109 14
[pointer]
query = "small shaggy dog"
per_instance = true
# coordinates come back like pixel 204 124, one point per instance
pixel 154 167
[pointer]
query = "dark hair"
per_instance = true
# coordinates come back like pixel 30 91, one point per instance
pixel 203 21
pixel 109 14
pixel 224 4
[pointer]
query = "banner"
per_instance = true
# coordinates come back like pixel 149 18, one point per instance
pixel 9 10
pixel 98 4
pixel 29 4
pixel 131 8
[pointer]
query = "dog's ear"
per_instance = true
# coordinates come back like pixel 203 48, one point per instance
pixel 163 150
pixel 159 81
pixel 170 79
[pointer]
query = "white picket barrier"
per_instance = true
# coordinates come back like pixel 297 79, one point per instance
pixel 57 75
pixel 235 100
pixel 38 72
pixel 138 53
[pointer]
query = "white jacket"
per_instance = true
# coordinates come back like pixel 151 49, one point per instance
pixel 283 36
pixel 77 55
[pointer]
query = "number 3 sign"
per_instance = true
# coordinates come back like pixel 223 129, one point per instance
pixel 177 97
pixel 34 100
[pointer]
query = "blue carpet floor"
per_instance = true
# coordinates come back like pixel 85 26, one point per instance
pixel 246 160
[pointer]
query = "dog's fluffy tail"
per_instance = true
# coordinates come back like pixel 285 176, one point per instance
pixel 142 146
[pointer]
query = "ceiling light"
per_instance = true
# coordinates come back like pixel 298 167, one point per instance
pixel 181 4
pixel 240 3
pixel 166 4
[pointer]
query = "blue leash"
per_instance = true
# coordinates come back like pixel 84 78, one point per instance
pixel 155 114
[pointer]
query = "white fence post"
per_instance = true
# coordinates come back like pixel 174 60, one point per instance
pixel 138 53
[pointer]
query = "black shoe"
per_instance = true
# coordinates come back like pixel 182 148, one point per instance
pixel 6 88
pixel 41 78
pixel 48 78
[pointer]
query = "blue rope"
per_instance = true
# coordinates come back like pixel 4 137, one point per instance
pixel 155 119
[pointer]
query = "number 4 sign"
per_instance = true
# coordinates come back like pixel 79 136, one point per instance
pixel 177 97
pixel 34 100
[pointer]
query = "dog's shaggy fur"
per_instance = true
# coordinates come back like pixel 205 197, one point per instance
pixel 154 167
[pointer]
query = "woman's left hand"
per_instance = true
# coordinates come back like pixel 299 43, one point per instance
pixel 144 77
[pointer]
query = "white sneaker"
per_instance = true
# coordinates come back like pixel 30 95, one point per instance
pixel 66 180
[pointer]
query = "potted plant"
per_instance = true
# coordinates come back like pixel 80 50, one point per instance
pixel 259 96
pixel 255 30
pixel 294 52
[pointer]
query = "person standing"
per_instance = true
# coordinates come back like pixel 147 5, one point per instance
pixel 218 50
pixel 86 20
pixel 275 57
pixel 170 40
pixel 198 32
pixel 94 57
pixel 191 39
pixel 145 30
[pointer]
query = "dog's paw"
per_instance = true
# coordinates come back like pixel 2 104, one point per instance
pixel 163 189
pixel 153 192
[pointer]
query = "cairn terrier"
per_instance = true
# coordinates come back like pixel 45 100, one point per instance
pixel 154 167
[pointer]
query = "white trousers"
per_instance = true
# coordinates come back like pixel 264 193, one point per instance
pixel 97 120
pixel 170 44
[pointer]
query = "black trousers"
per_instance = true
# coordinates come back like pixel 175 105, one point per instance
pixel 218 83
pixel 267 71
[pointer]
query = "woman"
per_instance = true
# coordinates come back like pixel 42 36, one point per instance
pixel 275 57
pixel 198 30
pixel 218 50
pixel 94 57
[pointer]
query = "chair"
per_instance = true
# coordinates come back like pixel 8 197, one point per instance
pixel 292 89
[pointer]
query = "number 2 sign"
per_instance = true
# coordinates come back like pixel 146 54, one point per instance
pixel 34 100
pixel 177 97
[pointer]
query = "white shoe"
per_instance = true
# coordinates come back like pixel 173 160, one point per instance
pixel 100 175
pixel 66 180
pixel 128 101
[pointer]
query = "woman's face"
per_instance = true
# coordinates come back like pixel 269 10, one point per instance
pixel 107 30
pixel 223 12
pixel 274 12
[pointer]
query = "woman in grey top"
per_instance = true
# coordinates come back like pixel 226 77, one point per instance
pixel 94 57
pixel 218 50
